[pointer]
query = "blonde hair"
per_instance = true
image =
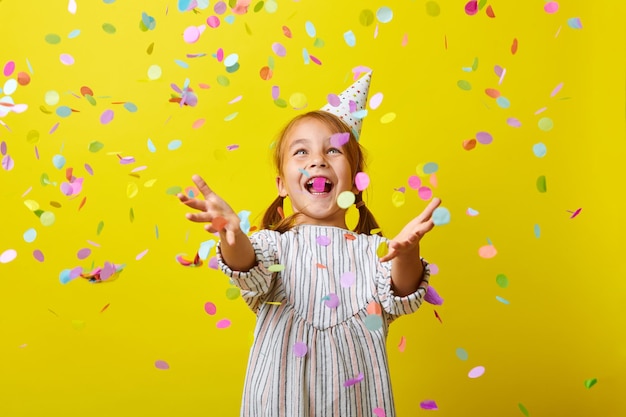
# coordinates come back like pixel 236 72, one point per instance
pixel 274 218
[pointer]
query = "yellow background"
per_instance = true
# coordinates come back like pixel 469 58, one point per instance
pixel 564 324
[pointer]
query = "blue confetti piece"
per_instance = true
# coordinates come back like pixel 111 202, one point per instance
pixel 131 107
pixel 151 146
pixel 462 354
pixel 181 64
pixel 310 29
pixel 502 300
pixel 537 231
pixel 503 102
pixel 229 19
pixel 73 34
pixel 349 38
pixel 205 248
pixel 305 56
pixel 539 149
pixel 430 168
pixel 175 144
pixel 64 276
pixel 63 111
pixel 441 216
pixel 359 114
pixel 244 222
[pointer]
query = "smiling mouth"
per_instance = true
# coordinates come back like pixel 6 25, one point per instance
pixel 319 185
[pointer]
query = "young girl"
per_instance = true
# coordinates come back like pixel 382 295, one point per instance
pixel 323 297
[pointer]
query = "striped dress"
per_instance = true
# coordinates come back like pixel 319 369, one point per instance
pixel 324 304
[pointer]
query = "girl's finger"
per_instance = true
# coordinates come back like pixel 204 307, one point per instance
pixel 202 185
pixel 199 217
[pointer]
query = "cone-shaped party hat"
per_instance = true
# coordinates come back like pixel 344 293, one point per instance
pixel 350 105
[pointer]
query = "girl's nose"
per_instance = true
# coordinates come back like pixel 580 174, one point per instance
pixel 317 161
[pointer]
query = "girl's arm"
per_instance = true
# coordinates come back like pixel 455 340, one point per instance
pixel 407 268
pixel 237 250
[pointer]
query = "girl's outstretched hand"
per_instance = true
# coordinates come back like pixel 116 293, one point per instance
pixel 213 209
pixel 407 241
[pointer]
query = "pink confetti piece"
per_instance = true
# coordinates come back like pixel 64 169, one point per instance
pixel 476 372
pixel 279 49
pixel 66 59
pixel 213 21
pixel 210 308
pixel 358 70
pixel 354 381
pixel 38 255
pixel 161 365
pixel 235 100
pixel 376 100
pixel 315 60
pixel 331 301
pixel 141 255
pixel 551 7
pixel 347 279
pixel 7 163
pixel 219 55
pixel 334 100
pixel 339 139
pixel 223 324
pixel 513 122
pixel 541 110
pixel 92 243
pixel 576 213
pixel 361 181
pixel 300 349
pixel 323 240
pixel 232 147
pixel 9 67
pixel 402 344
pixel 425 193
pixel 415 182
pixel 106 116
pixel 471 7
pixel 556 90
pixel 379 412
pixel 191 34
pixel 83 253
pixel 405 39
pixel 484 138
pixel 487 251
pixel 198 123
pixel 429 405
pixel 54 128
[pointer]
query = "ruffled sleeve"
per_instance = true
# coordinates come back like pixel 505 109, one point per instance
pixel 255 283
pixel 392 304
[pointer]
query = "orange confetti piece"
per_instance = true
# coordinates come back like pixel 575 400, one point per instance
pixel 437 315
pixel 514 46
pixel 490 12
pixel 82 203
pixel 105 307
pixel 349 236
pixel 470 144
pixel 402 344
pixel 321 266
pixel 492 92
pixel 374 308
pixel 219 223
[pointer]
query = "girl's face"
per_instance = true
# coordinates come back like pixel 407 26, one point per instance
pixel 314 173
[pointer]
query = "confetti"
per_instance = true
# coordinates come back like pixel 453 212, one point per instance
pixel 8 256
pixel 331 301
pixel 210 308
pixel 590 382
pixel 379 412
pixel 347 279
pixel 384 14
pixel 162 365
pixel 471 7
pixel 349 38
pixel 551 7
pixel 487 251
pixel 462 354
pixel 223 324
pixel 345 199
pixel 353 381
pixel 300 349
pixel 323 240
pixel 539 149
pixel 429 405
pixel 502 281
pixel 361 181
pixel 476 372
pixel 542 186
pixel 373 322
pixel 441 216
pixel 523 409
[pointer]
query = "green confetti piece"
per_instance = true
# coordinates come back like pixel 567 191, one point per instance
pixel 481 4
pixel 475 64
pixel 95 146
pixel 542 187
pixel 150 49
pixel 464 85
pixel 590 382
pixel 100 227
pixel 109 28
pixel 176 189
pixel 223 80
pixel 131 215
pixel 90 99
pixel 432 9
pixel 373 322
pixel 276 268
pixel 281 102
pixel 545 123
pixel 366 17
pixel 319 43
pixel 259 6
pixel 502 281
pixel 53 38
pixel 523 409
pixel 233 293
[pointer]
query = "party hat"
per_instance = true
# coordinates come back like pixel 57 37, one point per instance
pixel 350 105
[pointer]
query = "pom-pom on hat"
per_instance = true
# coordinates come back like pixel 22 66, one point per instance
pixel 350 105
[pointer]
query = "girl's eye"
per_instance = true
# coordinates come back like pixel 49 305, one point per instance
pixel 300 152
pixel 334 150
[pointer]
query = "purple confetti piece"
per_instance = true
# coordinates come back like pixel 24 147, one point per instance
pixel 3 148
pixel 334 100
pixel 300 349
pixel 323 240
pixel 429 405
pixel 7 162
pixel 54 128
pixel 352 106
pixel 484 138
pixel 433 297
pixel 347 279
pixel 275 92
pixel 106 116
pixel 83 253
pixel 339 139
pixel 37 254
pixel 161 365
pixel 331 301
pixel 354 381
